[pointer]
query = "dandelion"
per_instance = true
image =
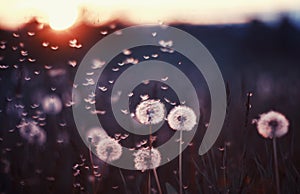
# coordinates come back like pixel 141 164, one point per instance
pixel 181 118
pixel 109 150
pixel 30 131
pixel 146 158
pixel 272 124
pixel 150 112
pixel 95 135
pixel 52 104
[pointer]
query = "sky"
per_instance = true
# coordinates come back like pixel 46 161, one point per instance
pixel 63 14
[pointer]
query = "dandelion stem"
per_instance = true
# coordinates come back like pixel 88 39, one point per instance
pixel 150 147
pixel 180 162
pixel 92 168
pixel 149 182
pixel 157 181
pixel 276 165
pixel 123 180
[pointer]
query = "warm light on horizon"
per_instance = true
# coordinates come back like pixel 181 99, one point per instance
pixel 60 19
pixel 61 15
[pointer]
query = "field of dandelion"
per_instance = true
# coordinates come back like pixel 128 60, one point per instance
pixel 41 150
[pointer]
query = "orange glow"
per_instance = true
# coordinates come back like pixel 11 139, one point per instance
pixel 62 14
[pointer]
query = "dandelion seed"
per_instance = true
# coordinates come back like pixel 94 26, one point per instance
pixel 167 50
pixel 54 48
pixel 146 57
pixel 115 69
pixel 4 66
pixel 109 150
pixel 144 97
pixel 145 159
pixel 126 52
pixel 272 124
pixel 72 63
pixel 150 112
pixel 104 32
pixel 182 118
pixel 131 60
pixel 48 67
pixel 45 44
pixel 95 135
pixel 125 111
pixel 37 72
pixel 100 112
pixel 164 78
pixel 154 55
pixel 16 35
pixel 164 87
pixel 130 94
pixel 24 53
pixel 90 73
pixel 31 33
pixel 166 43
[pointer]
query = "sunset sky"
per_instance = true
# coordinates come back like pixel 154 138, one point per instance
pixel 62 14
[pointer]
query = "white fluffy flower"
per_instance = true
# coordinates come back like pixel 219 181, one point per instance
pixel 182 118
pixel 95 135
pixel 147 159
pixel 109 149
pixel 150 112
pixel 272 124
pixel 52 104
pixel 30 131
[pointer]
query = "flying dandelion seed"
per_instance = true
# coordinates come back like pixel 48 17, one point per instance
pixel 95 135
pixel 52 104
pixel 30 131
pixel 150 112
pixel 109 150
pixel 182 118
pixel 147 159
pixel 272 124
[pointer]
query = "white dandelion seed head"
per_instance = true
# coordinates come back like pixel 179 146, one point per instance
pixel 52 104
pixel 272 124
pixel 30 131
pixel 182 118
pixel 145 159
pixel 109 150
pixel 150 112
pixel 95 135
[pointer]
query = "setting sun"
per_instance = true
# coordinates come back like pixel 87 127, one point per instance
pixel 61 20
pixel 61 16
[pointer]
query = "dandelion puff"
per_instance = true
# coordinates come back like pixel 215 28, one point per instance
pixel 272 124
pixel 182 118
pixel 30 131
pixel 146 158
pixel 150 112
pixel 52 104
pixel 109 150
pixel 95 135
